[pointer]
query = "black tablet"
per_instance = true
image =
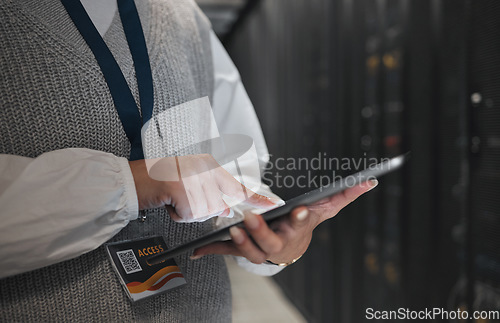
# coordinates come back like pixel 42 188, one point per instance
pixel 313 196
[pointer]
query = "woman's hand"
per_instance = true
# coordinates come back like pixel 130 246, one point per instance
pixel 191 187
pixel 285 239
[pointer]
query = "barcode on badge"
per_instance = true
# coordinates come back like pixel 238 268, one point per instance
pixel 129 261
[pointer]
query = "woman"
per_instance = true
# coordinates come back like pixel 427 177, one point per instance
pixel 66 186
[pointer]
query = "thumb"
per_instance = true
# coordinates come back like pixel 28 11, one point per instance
pixel 173 214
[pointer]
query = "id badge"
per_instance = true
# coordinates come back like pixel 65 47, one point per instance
pixel 140 279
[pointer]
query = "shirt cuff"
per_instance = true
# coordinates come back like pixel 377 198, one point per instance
pixel 132 203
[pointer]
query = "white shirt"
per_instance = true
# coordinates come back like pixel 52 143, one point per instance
pixel 50 209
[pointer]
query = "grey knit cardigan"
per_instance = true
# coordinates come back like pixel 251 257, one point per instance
pixel 54 96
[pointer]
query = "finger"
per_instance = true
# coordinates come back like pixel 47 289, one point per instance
pixel 180 204
pixel 263 236
pixel 224 213
pixel 196 197
pixel 173 215
pixel 356 191
pixel 351 194
pixel 188 219
pixel 261 201
pixel 246 246
pixel 213 195
pixel 231 187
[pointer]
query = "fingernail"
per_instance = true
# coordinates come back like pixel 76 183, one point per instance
pixel 302 215
pixel 236 235
pixel 373 183
pixel 194 257
pixel 276 201
pixel 251 221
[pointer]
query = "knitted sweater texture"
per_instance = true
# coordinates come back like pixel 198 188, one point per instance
pixel 54 96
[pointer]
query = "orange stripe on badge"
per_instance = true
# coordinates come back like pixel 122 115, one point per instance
pixel 165 280
pixel 138 287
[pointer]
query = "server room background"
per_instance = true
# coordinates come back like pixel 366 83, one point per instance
pixel 376 78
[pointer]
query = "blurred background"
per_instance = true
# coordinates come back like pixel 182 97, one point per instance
pixel 376 78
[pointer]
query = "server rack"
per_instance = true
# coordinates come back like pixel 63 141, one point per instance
pixel 374 78
pixel 482 256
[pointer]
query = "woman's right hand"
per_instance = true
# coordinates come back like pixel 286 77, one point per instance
pixel 190 187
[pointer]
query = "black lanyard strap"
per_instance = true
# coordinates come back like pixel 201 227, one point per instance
pixel 120 91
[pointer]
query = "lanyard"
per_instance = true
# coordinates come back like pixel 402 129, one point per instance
pixel 120 91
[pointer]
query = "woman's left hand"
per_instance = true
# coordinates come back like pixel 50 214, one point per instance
pixel 285 239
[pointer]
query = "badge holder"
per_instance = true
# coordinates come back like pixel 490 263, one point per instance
pixel 140 279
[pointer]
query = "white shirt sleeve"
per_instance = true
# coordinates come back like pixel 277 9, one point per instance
pixel 45 219
pixel 235 114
